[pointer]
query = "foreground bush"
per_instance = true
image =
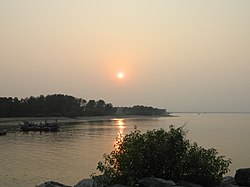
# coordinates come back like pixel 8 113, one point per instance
pixel 162 154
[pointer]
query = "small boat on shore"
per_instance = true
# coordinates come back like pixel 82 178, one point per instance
pixel 3 132
pixel 31 126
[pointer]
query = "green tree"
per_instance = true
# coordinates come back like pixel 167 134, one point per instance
pixel 109 109
pixel 100 107
pixel 162 154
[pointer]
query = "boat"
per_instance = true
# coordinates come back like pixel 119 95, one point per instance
pixel 31 126
pixel 49 127
pixel 3 132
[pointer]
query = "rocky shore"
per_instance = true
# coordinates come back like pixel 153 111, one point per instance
pixel 241 178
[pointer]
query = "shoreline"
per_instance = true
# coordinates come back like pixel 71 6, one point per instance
pixel 13 121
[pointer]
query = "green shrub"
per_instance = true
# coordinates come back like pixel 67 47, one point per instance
pixel 205 165
pixel 161 154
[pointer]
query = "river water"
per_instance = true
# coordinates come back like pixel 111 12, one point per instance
pixel 67 156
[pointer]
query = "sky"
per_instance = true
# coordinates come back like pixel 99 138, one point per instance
pixel 191 55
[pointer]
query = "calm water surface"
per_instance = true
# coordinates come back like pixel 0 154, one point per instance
pixel 67 156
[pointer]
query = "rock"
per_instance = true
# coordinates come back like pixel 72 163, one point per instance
pixel 242 177
pixel 52 184
pixel 156 182
pixel 224 184
pixel 86 183
pixel 119 185
pixel 229 180
pixel 100 180
pixel 188 184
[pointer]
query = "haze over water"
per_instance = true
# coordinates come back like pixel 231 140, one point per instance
pixel 180 55
pixel 190 56
pixel 72 153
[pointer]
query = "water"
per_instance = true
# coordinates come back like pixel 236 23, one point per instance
pixel 67 156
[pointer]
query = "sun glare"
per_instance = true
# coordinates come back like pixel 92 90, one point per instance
pixel 120 75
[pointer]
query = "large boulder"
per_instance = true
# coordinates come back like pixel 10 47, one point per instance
pixel 229 180
pixel 188 184
pixel 156 182
pixel 242 177
pixel 224 184
pixel 86 183
pixel 52 184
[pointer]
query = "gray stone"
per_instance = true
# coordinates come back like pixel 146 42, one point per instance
pixel 188 184
pixel 52 184
pixel 156 182
pixel 242 177
pixel 229 180
pixel 224 184
pixel 100 180
pixel 119 185
pixel 86 183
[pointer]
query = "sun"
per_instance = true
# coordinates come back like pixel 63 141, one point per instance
pixel 120 75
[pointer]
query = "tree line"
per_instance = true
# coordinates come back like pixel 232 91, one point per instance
pixel 59 105
pixel 140 110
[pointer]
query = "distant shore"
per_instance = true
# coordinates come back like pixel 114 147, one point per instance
pixel 62 120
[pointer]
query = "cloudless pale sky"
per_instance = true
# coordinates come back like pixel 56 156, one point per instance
pixel 191 55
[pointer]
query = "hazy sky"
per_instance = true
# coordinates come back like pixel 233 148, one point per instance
pixel 183 55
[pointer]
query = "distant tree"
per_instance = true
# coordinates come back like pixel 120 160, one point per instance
pixel 90 108
pixel 109 109
pixel 15 107
pixel 140 110
pixel 66 105
pixel 100 107
pixel 4 107
pixel 82 103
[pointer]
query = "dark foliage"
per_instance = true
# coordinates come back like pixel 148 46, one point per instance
pixel 64 105
pixel 162 154
pixel 140 110
pixel 53 105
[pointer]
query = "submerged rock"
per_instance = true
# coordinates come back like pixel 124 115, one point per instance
pixel 242 177
pixel 52 184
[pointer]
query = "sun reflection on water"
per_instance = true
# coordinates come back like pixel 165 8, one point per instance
pixel 120 124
